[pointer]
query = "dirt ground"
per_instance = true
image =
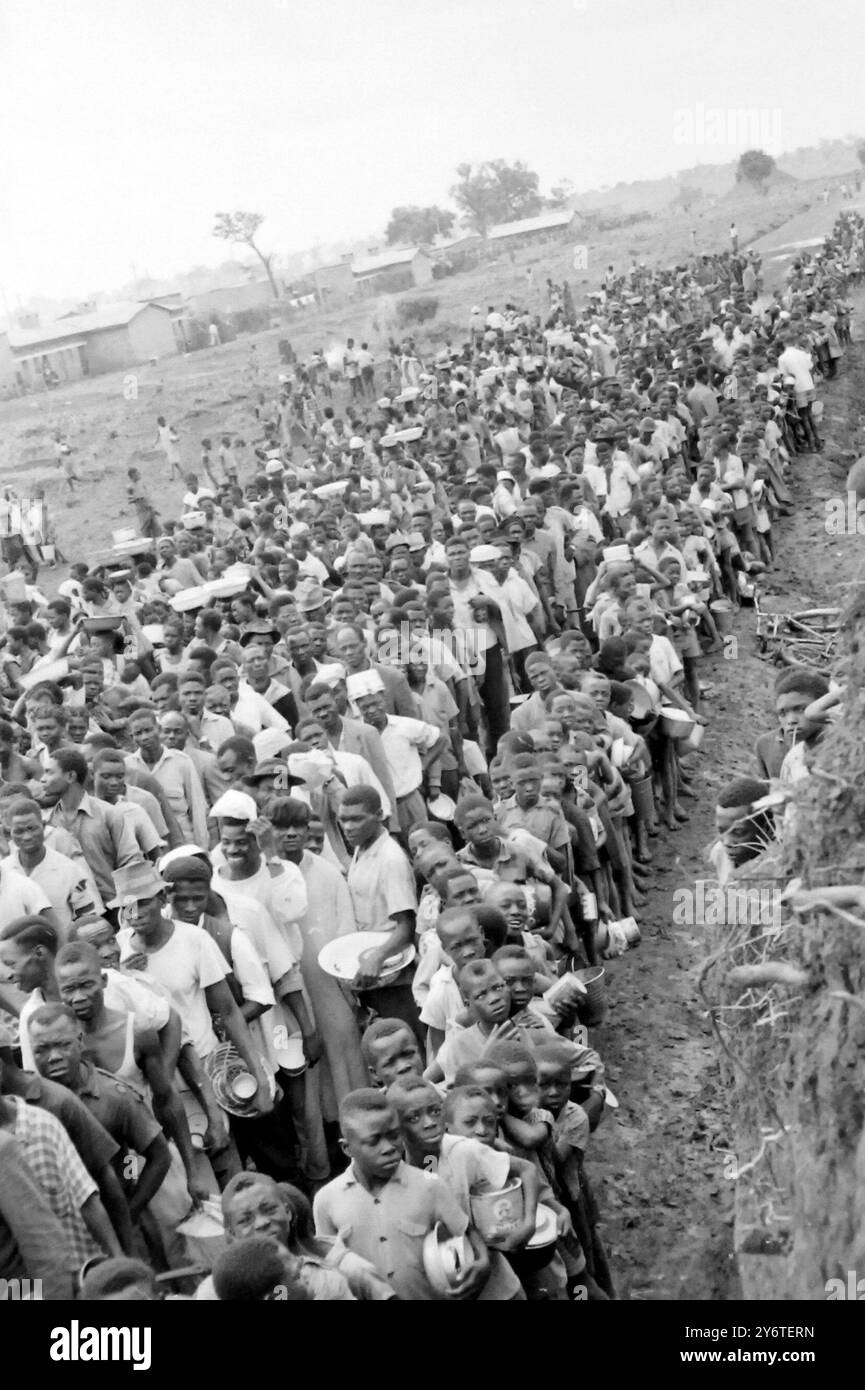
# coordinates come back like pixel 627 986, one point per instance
pixel 658 1165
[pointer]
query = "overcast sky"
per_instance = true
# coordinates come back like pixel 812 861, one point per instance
pixel 127 123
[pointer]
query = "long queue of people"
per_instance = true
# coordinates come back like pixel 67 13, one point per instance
pixel 323 802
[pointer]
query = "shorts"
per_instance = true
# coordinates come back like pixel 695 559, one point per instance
pixel 804 398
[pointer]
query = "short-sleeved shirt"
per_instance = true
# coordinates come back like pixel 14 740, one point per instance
pixel 402 739
pixel 465 1165
pixel 381 883
pixel 514 865
pixel 145 818
pixel 388 1227
pixel 544 822
pixel 282 897
pixel 119 1108
pixel 19 895
pixel 444 1001
pixel 664 662
pixel 105 837
pixel 64 881
pixel 187 964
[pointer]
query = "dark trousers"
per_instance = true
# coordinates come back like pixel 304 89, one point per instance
pixel 396 1001
pixel 493 691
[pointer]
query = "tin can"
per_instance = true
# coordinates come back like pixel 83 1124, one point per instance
pixel 565 994
pixel 498 1213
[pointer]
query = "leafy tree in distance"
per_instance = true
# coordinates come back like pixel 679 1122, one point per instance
pixel 560 193
pixel 241 227
pixel 496 192
pixel 418 226
pixel 860 153
pixel 755 167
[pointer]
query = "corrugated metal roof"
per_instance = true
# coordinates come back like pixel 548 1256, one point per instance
pixel 451 243
pixel 370 265
pixel 545 222
pixel 110 316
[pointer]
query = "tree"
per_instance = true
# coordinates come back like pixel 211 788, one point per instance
pixel 560 193
pixel 241 227
pixel 860 153
pixel 755 167
pixel 418 226
pixel 496 192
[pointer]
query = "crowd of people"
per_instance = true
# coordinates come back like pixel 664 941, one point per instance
pixel 426 665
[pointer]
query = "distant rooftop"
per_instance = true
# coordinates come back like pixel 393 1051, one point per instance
pixel 76 325
pixel 546 221
pixel 370 265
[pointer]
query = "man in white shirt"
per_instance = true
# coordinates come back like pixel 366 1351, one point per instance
pixel 410 745
pixel 472 591
pixel 189 964
pixel 795 361
pixel 519 604
pixel 250 712
pixel 353 768
pixel 382 886
pixel 66 883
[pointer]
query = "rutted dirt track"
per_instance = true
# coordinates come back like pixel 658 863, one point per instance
pixel 658 1165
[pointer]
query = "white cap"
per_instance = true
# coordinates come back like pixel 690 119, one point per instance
pixel 181 852
pixel 331 673
pixel 233 805
pixel 480 554
pixel 364 683
pixel 269 743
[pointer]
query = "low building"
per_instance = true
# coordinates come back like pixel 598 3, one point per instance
pixel 413 265
pixel 232 299
pixel 84 344
pixel 455 245
pixel 174 302
pixel 334 281
pixel 545 225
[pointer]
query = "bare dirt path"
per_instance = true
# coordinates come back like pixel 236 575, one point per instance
pixel 658 1166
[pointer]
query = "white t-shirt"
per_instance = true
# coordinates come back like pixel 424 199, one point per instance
pixel 19 895
pixel 278 951
pixel 188 964
pixel 795 362
pixel 402 738
pixel 282 897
